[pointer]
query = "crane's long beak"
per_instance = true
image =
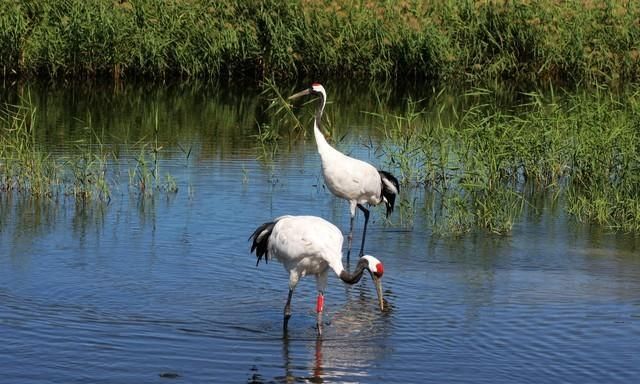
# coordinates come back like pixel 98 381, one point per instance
pixel 299 94
pixel 378 283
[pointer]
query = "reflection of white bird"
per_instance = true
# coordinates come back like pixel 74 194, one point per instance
pixel 348 178
pixel 310 245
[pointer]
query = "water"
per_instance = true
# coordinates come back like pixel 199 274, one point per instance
pixel 164 289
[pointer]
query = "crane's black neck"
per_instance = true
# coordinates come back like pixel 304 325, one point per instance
pixel 352 278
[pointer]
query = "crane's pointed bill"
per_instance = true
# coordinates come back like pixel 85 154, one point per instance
pixel 378 283
pixel 299 94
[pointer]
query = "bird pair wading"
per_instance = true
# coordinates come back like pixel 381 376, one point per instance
pixel 310 245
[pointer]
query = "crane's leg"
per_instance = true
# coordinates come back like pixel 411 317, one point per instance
pixel 364 232
pixel 287 312
pixel 319 309
pixel 350 237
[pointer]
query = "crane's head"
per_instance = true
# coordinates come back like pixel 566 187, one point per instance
pixel 314 89
pixel 376 270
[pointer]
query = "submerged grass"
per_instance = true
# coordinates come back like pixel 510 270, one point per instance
pixel 27 169
pixel 24 166
pixel 577 42
pixel 145 176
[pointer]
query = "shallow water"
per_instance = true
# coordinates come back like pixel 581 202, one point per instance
pixel 162 288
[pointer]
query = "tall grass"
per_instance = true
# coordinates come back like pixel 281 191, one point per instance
pixel 86 174
pixel 145 176
pixel 575 42
pixel 24 166
pixel 583 147
pixel 605 183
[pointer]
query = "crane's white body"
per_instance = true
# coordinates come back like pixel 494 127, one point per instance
pixel 310 245
pixel 348 178
pixel 306 245
pixel 351 179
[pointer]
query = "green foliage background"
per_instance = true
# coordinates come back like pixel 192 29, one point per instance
pixel 570 42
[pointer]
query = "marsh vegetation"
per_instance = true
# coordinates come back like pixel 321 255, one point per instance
pixel 85 173
pixel 572 42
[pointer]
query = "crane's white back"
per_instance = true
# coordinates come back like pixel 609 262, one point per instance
pixel 308 244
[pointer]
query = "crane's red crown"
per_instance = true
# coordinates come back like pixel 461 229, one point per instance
pixel 379 270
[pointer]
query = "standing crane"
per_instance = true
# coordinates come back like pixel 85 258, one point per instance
pixel 310 245
pixel 351 179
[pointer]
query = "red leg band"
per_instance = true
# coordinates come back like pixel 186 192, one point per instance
pixel 320 303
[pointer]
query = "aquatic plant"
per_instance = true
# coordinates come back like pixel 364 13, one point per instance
pixel 145 176
pixel 281 114
pixel 88 175
pixel 28 169
pixel 605 184
pixel 491 161
pixel 24 166
pixel 86 168
pixel 403 143
pixel 572 42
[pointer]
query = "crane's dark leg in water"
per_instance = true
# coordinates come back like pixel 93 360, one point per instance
pixel 350 237
pixel 287 312
pixel 364 232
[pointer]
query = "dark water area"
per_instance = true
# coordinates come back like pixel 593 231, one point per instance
pixel 163 288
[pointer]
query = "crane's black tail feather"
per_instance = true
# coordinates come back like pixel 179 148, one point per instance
pixel 390 189
pixel 261 241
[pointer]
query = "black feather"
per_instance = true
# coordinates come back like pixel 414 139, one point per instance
pixel 261 246
pixel 389 194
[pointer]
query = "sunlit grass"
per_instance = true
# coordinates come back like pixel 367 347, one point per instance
pixel 29 170
pixel 571 42
pixel 24 166
pixel 145 177
pixel 584 146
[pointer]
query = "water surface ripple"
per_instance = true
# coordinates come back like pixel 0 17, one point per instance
pixel 145 290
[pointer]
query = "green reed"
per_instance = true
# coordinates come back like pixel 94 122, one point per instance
pixel 85 169
pixel 281 114
pixel 145 176
pixel 606 184
pixel 495 161
pixel 24 166
pixel 575 42
pixel 403 143
pixel 88 170
pixel 89 173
